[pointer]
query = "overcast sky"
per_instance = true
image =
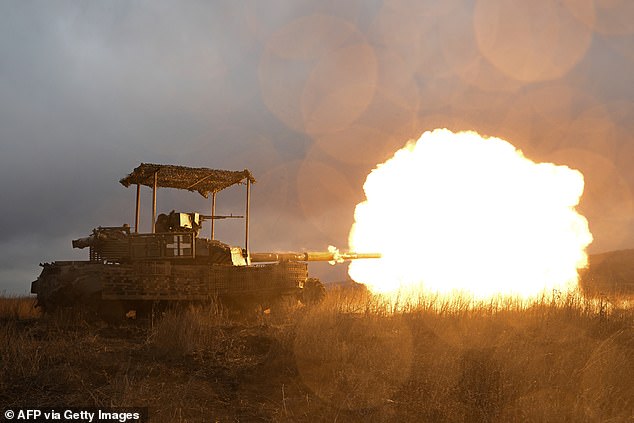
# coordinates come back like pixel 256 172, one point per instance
pixel 310 96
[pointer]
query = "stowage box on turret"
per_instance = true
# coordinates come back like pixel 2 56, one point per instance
pixel 128 270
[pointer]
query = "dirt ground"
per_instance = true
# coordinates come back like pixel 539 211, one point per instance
pixel 349 360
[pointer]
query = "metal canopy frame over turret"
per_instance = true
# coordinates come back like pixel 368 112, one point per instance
pixel 203 180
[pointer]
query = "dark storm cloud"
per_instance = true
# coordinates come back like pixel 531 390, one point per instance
pixel 88 90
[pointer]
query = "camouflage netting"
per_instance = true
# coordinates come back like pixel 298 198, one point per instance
pixel 199 179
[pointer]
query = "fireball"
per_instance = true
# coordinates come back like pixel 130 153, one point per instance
pixel 461 214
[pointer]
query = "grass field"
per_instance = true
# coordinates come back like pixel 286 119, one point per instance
pixel 352 359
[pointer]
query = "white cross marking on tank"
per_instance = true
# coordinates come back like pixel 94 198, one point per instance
pixel 179 246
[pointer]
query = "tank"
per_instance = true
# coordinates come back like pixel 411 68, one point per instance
pixel 128 271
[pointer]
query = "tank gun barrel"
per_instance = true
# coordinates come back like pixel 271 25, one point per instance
pixel 357 256
pixel 310 256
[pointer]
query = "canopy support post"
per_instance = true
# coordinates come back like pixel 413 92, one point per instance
pixel 154 202
pixel 213 214
pixel 246 226
pixel 138 208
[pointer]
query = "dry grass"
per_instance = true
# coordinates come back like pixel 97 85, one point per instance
pixel 353 358
pixel 18 308
pixel 180 333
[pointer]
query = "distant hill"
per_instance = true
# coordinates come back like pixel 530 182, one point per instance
pixel 609 273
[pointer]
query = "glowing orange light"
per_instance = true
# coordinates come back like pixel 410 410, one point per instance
pixel 457 213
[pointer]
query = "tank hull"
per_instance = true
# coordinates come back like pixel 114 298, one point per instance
pixel 86 282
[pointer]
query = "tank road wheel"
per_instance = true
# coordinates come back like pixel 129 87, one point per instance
pixel 314 292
